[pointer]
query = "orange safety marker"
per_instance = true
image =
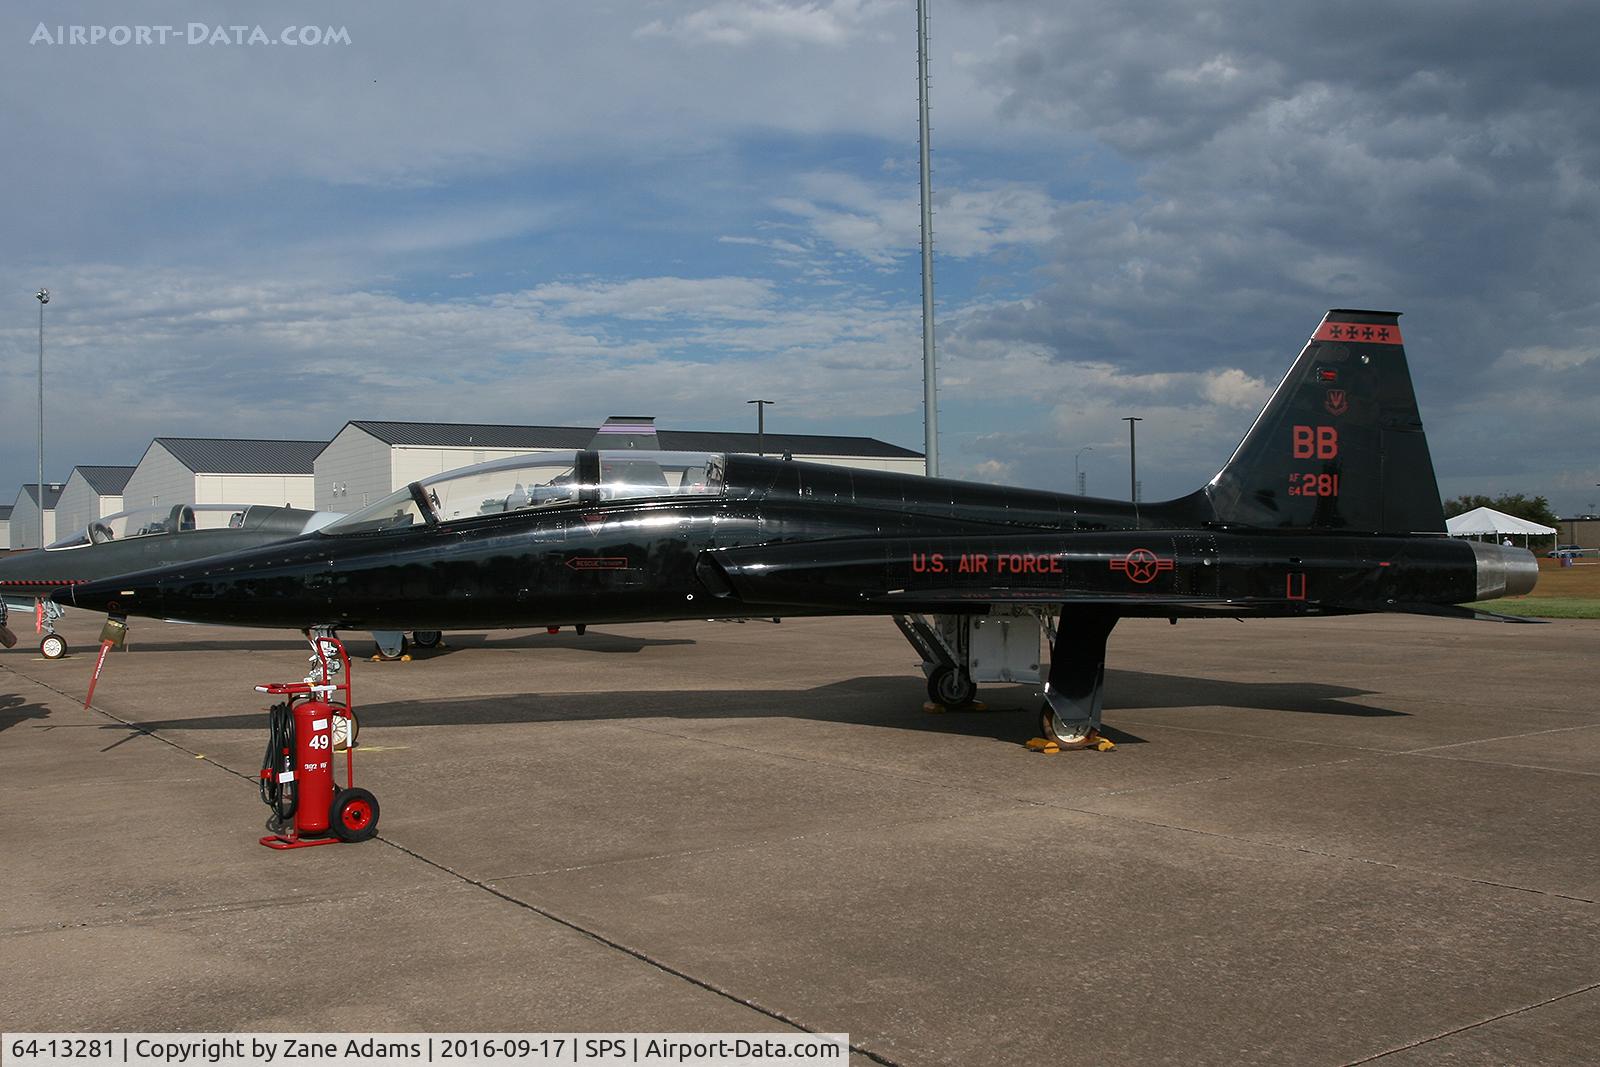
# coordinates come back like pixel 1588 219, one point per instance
pixel 113 633
pixel 105 646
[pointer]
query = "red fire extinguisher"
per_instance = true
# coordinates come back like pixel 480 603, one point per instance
pixel 297 780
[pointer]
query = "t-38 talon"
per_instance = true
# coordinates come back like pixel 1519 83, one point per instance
pixel 1328 506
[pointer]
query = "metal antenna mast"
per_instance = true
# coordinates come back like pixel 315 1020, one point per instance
pixel 930 367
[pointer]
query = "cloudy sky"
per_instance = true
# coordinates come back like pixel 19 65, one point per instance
pixel 553 212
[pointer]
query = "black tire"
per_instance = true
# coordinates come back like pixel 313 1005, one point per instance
pixel 426 638
pixel 405 646
pixel 1047 723
pixel 952 687
pixel 54 646
pixel 581 628
pixel 355 815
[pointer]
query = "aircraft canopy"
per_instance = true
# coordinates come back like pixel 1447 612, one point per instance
pixel 541 480
pixel 140 522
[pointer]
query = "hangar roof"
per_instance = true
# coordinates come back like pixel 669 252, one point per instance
pixel 481 435
pixel 106 481
pixel 222 455
pixel 52 493
pixel 5 512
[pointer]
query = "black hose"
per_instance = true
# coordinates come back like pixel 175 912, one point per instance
pixel 281 797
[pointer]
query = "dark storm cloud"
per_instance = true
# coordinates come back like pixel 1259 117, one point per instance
pixel 1439 159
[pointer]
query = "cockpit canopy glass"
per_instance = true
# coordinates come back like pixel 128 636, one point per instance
pixel 542 480
pixel 142 522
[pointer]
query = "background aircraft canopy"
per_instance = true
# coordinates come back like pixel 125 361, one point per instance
pixel 141 522
pixel 520 483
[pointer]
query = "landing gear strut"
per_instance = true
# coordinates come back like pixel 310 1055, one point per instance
pixel 52 645
pixel 390 644
pixel 1000 644
pixel 1074 695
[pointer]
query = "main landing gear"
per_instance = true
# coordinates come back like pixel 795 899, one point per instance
pixel 393 645
pixel 958 651
pixel 1074 693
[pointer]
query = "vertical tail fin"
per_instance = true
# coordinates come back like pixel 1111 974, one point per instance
pixel 1340 444
pixel 627 431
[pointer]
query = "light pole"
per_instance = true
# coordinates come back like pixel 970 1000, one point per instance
pixel 761 425
pixel 930 363
pixel 1077 475
pixel 43 296
pixel 1133 458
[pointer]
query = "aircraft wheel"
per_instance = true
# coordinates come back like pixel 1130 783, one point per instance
pixel 354 815
pixel 1051 729
pixel 951 686
pixel 54 646
pixel 581 628
pixel 426 638
pixel 346 728
pixel 393 654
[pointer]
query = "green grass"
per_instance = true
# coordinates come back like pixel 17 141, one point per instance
pixel 1550 607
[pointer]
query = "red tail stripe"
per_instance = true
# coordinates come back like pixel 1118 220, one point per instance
pixel 1365 333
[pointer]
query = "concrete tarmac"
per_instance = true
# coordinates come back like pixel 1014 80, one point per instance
pixel 1318 842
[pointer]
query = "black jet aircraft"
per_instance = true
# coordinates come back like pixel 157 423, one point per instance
pixel 137 540
pixel 1328 506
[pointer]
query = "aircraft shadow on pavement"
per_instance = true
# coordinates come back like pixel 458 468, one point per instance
pixel 14 710
pixel 1143 689
pixel 891 701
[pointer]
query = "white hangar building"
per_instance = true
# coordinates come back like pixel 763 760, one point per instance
pixel 217 470
pixel 5 527
pixel 90 492
pixel 25 515
pixel 367 461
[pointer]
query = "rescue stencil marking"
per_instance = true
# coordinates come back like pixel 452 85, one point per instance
pixel 1142 565
pixel 1358 333
pixel 598 563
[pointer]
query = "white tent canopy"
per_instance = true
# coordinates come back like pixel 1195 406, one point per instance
pixel 1483 521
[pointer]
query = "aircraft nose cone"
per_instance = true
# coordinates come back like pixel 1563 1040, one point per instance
pixel 108 595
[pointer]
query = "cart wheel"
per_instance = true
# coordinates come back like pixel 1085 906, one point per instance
pixel 346 728
pixel 54 646
pixel 952 687
pixel 355 815
pixel 426 638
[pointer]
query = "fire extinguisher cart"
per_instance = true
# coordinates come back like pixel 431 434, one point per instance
pixel 309 807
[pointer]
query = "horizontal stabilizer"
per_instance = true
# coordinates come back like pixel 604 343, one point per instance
pixel 1456 611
